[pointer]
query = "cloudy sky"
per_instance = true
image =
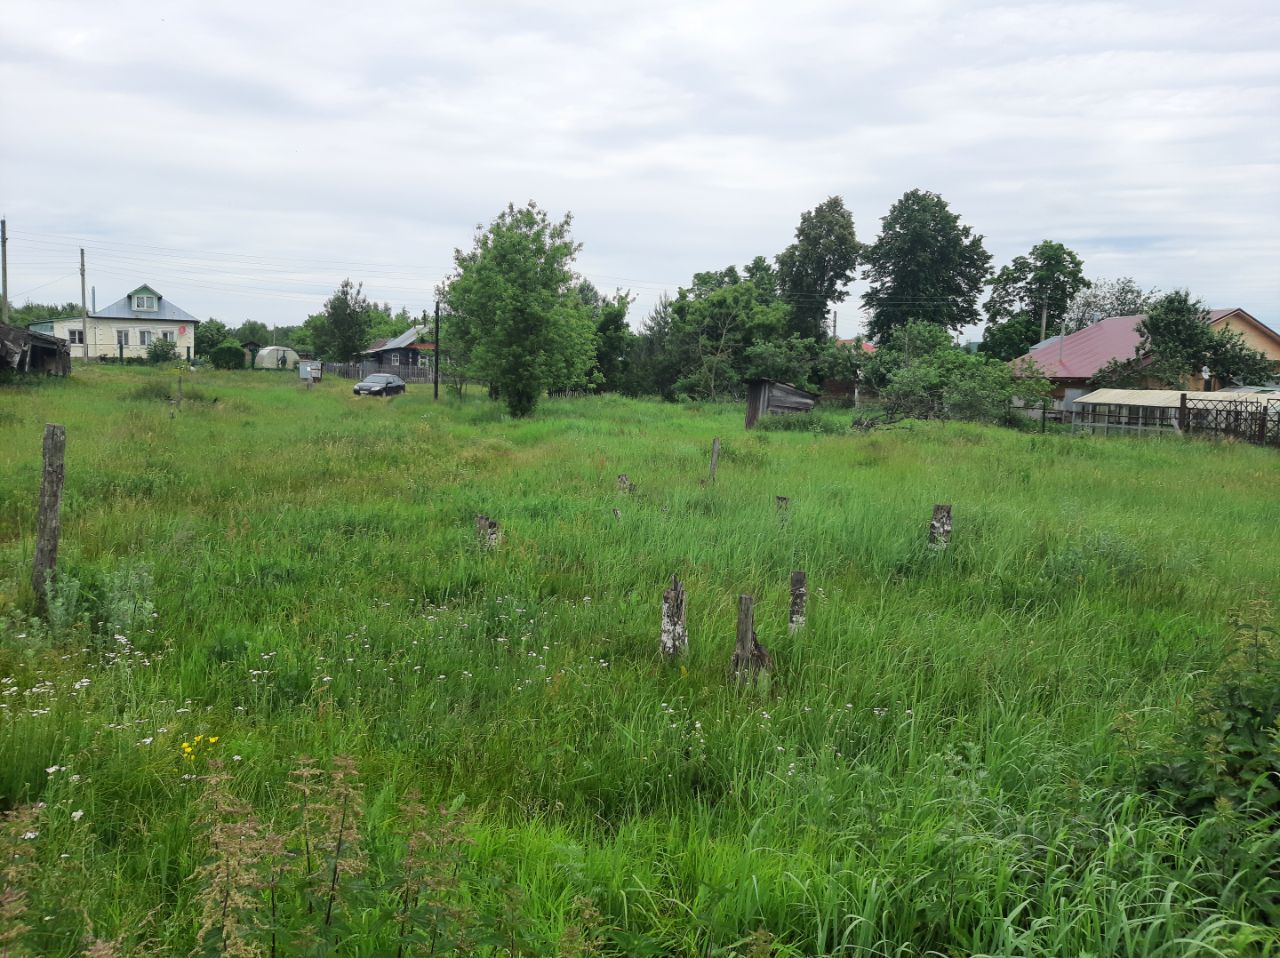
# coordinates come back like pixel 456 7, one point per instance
pixel 245 158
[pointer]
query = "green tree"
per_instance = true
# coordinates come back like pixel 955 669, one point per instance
pixel 341 330
pixel 613 340
pixel 209 334
pixel 513 320
pixel 924 266
pixel 793 360
pixel 814 270
pixel 253 331
pixel 1039 286
pixel 1180 342
pixel 29 312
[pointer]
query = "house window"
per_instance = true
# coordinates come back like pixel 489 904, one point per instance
pixel 144 337
pixel 75 337
pixel 169 336
pixel 395 359
pixel 122 337
pixel 144 302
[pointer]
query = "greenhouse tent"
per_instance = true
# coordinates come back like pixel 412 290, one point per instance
pixel 275 357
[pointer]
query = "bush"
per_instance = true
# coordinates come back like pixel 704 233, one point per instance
pixel 228 355
pixel 1226 757
pixel 162 351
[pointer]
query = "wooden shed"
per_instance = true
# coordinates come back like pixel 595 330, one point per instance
pixel 28 351
pixel 768 397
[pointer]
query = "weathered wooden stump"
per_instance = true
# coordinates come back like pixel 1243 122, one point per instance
pixel 674 639
pixel 487 531
pixel 625 485
pixel 940 527
pixel 782 503
pixel 799 594
pixel 49 519
pixel 617 514
pixel 750 658
pixel 715 457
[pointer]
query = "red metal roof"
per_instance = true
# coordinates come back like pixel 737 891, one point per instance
pixel 867 347
pixel 1082 353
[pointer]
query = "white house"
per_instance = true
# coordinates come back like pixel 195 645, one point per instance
pixel 127 327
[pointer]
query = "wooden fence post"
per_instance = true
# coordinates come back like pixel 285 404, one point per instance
pixel 799 593
pixel 940 527
pixel 49 521
pixel 617 514
pixel 674 639
pixel 487 531
pixel 179 393
pixel 750 658
pixel 715 457
pixel 625 485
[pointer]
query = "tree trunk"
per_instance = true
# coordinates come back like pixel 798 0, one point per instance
pixel 487 531
pixel 799 593
pixel 750 658
pixel 674 640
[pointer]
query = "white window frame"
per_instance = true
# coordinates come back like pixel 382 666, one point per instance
pixel 144 303
pixel 75 337
pixel 395 359
pixel 168 335
pixel 122 337
pixel 146 337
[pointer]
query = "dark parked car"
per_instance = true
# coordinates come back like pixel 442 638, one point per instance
pixel 379 384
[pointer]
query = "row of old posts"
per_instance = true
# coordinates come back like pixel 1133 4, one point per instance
pixel 750 660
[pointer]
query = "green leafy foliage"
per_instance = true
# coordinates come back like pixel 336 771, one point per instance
pixel 228 354
pixel 162 350
pixel 514 320
pixel 1030 298
pixel 925 266
pixel 209 334
pixel 341 329
pixel 1226 756
pixel 814 271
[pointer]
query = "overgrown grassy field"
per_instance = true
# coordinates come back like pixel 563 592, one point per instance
pixel 946 760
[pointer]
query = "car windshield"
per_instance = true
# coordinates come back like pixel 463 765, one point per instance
pixel 379 378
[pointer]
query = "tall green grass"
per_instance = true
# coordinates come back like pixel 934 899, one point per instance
pixel 945 760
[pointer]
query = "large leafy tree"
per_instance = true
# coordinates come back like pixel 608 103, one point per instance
pixel 514 320
pixel 209 334
pixel 814 270
pixel 253 330
pixel 341 329
pixel 1030 297
pixel 924 266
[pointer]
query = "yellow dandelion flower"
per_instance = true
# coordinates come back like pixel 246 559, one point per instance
pixel 213 738
pixel 186 746
pixel 198 738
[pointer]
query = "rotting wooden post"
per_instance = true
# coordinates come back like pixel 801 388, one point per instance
pixel 750 658
pixel 799 593
pixel 617 514
pixel 179 393
pixel 625 485
pixel 674 639
pixel 487 531
pixel 715 457
pixel 49 521
pixel 940 527
pixel 783 503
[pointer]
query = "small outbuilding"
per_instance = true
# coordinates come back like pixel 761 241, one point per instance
pixel 29 351
pixel 275 357
pixel 768 397
pixel 1251 416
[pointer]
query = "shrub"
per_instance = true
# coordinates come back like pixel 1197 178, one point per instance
pixel 1227 755
pixel 162 351
pixel 228 355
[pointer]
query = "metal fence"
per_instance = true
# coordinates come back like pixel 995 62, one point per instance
pixel 1255 419
pixel 410 374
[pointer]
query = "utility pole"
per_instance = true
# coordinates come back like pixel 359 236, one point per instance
pixel 4 270
pixel 1044 320
pixel 84 308
pixel 435 358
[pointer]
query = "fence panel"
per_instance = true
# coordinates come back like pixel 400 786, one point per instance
pixel 357 371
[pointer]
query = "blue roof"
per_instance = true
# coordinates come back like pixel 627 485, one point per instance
pixel 165 310
pixel 407 338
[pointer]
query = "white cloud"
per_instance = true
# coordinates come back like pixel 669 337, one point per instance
pixel 368 140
